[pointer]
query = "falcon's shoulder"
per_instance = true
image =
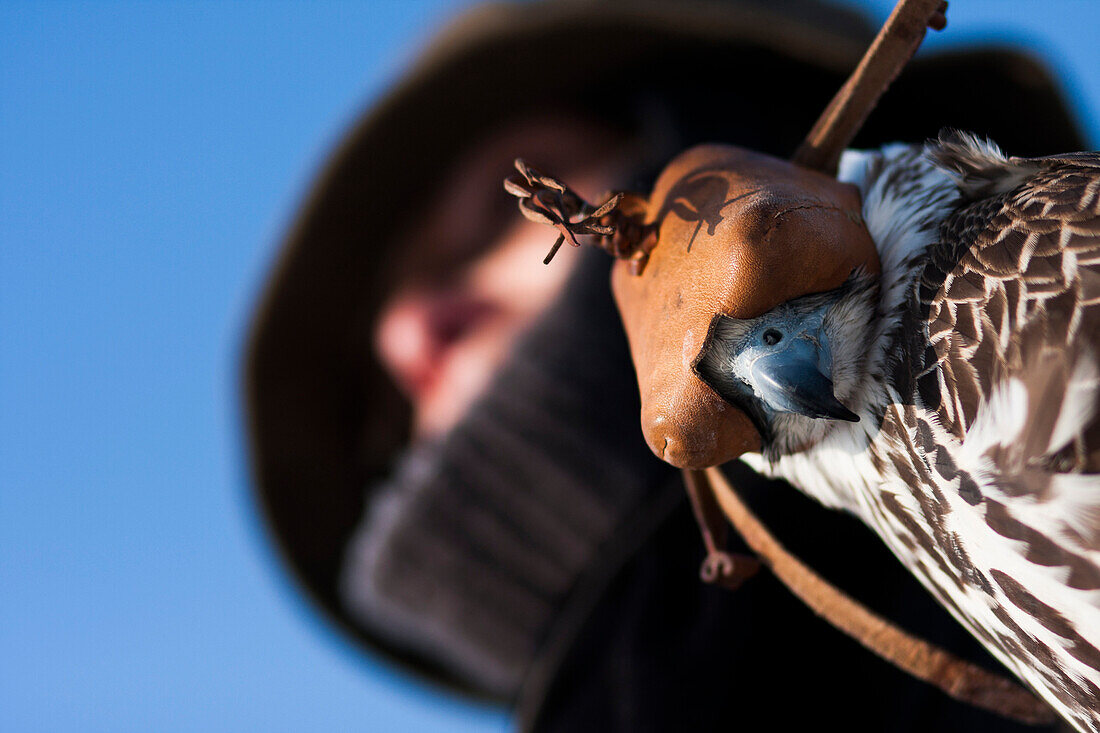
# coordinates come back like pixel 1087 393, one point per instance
pixel 1010 297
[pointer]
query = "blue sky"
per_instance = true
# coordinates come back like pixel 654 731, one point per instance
pixel 151 156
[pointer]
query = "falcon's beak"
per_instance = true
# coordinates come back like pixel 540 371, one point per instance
pixel 794 379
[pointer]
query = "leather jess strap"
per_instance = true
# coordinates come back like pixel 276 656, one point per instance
pixel 958 678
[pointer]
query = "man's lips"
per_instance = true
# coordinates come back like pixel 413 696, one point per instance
pixel 420 333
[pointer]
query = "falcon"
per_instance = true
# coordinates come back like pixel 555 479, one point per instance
pixel 951 401
pixel 915 341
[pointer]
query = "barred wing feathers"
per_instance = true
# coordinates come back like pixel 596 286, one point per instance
pixel 995 441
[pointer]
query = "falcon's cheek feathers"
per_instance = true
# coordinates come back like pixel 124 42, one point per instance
pixel 800 358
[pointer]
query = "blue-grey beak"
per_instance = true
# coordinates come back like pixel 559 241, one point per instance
pixel 790 380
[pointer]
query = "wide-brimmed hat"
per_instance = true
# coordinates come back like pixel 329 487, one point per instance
pixel 324 420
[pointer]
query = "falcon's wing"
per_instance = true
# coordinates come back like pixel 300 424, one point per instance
pixel 1011 300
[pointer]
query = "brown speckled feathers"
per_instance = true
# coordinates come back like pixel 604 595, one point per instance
pixel 999 408
pixel 1014 290
pixel 972 363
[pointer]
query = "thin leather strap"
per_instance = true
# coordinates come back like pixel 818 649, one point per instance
pixel 895 44
pixel 958 678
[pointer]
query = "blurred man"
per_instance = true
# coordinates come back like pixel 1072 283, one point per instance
pixel 446 432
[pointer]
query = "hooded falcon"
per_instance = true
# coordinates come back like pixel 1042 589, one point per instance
pixel 914 341
pixel 951 401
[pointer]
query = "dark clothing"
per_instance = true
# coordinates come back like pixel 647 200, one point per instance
pixel 661 651
pixel 470 556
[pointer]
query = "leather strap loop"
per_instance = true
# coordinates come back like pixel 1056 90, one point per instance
pixel 958 678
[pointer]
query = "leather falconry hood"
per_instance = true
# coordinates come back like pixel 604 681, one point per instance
pixel 727 232
pixel 739 233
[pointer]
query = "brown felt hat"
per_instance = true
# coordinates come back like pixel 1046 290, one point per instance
pixel 323 419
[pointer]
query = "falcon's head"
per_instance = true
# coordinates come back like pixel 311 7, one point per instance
pixel 795 366
pixel 747 324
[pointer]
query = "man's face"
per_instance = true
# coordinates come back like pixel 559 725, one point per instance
pixel 472 278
